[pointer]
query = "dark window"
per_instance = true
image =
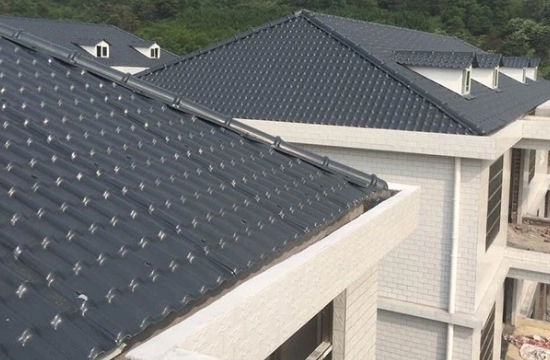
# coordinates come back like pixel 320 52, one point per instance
pixel 101 51
pixel 532 164
pixel 313 340
pixel 487 337
pixel 155 53
pixel 466 81
pixel 494 202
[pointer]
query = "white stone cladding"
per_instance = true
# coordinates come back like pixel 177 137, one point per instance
pixel 354 330
pixel 407 337
pixel 414 278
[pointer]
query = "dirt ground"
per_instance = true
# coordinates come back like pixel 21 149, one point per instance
pixel 529 237
pixel 511 352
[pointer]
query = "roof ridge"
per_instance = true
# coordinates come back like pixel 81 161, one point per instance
pixel 393 73
pixel 143 87
pixel 221 43
pixel 392 26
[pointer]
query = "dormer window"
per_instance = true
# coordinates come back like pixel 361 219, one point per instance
pixel 515 67
pixel 155 53
pixel 94 46
pixel 149 49
pixel 466 81
pixel 452 70
pixel 102 51
pixel 485 69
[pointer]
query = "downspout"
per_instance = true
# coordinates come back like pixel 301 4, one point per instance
pixel 454 257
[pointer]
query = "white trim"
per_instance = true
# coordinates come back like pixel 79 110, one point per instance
pixel 414 142
pixel 248 323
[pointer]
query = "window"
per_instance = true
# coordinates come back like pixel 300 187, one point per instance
pixel 532 164
pixel 102 51
pixel 494 201
pixel 466 81
pixel 312 341
pixel 487 337
pixel 155 53
pixel 495 78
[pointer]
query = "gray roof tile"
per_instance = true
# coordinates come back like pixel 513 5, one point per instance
pixel 69 34
pixel 323 69
pixel 515 61
pixel 486 60
pixel 116 209
pixel 438 59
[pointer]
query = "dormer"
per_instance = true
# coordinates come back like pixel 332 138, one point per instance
pixel 148 48
pixel 452 70
pixel 486 69
pixel 96 47
pixel 515 67
pixel 531 71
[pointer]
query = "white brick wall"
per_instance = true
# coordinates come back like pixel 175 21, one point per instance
pixel 418 269
pixel 402 337
pixel 354 332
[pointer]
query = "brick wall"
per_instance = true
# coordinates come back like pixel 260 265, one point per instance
pixel 354 331
pixel 417 270
pixel 407 337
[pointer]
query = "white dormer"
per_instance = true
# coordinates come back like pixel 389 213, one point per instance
pixel 486 69
pixel 102 50
pixel 147 48
pixel 531 71
pixel 452 70
pixel 97 48
pixel 515 67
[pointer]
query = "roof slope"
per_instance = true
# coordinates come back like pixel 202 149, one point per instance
pixel 117 209
pixel 70 34
pixel 324 69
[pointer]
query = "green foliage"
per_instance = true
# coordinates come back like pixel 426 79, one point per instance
pixel 513 27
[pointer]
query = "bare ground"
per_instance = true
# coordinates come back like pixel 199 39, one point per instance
pixel 529 237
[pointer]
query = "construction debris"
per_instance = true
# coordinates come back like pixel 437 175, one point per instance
pixel 534 347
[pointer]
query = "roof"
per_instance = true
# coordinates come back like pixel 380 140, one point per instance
pixel 515 61
pixel 486 60
pixel 70 35
pixel 121 203
pixel 322 69
pixel 438 59
pixel 534 62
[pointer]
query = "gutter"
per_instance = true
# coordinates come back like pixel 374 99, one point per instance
pixel 454 256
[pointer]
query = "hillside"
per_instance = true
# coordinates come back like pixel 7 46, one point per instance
pixel 512 27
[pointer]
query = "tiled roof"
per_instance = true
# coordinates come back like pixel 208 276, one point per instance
pixel 486 60
pixel 515 61
pixel 534 62
pixel 438 59
pixel 118 209
pixel 323 69
pixel 70 35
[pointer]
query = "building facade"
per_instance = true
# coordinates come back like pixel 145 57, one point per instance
pixel 417 108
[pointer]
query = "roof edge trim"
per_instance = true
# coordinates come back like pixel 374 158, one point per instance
pixel 145 88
